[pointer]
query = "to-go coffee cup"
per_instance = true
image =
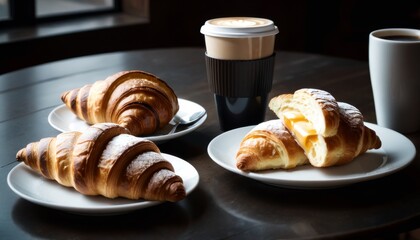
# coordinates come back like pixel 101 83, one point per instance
pixel 240 63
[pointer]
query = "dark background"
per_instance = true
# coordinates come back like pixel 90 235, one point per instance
pixel 338 28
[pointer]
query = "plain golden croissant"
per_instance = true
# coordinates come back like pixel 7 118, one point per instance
pixel 269 145
pixel 331 133
pixel 136 100
pixel 105 160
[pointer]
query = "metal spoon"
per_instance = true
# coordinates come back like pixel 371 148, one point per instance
pixel 187 117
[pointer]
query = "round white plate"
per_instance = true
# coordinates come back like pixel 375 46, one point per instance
pixel 396 152
pixel 33 187
pixel 63 119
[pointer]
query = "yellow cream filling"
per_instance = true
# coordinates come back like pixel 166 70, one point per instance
pixel 302 129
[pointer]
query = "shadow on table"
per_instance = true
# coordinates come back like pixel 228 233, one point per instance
pixel 169 219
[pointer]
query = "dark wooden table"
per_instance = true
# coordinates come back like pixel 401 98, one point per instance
pixel 224 205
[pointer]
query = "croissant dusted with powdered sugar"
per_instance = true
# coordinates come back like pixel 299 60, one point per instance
pixel 136 100
pixel 330 132
pixel 105 160
pixel 269 145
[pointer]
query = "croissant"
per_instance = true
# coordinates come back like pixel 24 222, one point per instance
pixel 136 100
pixel 269 145
pixel 318 106
pixel 105 160
pixel 330 132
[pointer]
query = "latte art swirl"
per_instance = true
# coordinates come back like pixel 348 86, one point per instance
pixel 241 22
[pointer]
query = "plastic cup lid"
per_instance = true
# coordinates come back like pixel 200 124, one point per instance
pixel 239 27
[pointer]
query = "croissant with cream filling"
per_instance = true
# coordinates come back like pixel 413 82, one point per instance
pixel 269 145
pixel 330 132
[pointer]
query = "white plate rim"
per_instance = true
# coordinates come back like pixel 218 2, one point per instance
pixel 54 122
pixel 103 205
pixel 395 157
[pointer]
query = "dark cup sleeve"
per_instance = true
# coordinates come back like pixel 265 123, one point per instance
pixel 240 78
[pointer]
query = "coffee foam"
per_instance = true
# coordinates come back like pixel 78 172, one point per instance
pixel 240 22
pixel 237 27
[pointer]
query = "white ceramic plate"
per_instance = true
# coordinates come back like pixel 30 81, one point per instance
pixel 31 186
pixel 63 119
pixel 396 152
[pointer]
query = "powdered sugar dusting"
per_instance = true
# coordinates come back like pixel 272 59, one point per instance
pixel 116 147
